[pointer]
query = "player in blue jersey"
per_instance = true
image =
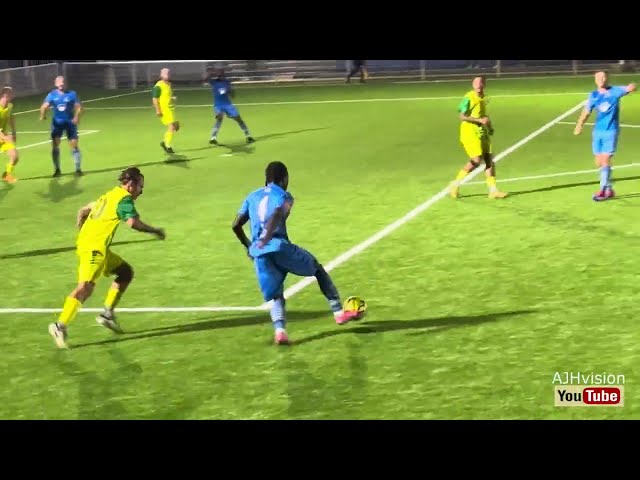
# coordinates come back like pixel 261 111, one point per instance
pixel 67 109
pixel 605 100
pixel 273 253
pixel 222 92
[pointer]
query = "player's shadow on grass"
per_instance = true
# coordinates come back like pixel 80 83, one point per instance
pixel 557 187
pixel 432 324
pixel 173 160
pixel 261 318
pixel 4 191
pixel 59 191
pixel 54 251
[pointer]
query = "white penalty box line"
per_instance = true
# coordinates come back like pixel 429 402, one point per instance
pixel 343 258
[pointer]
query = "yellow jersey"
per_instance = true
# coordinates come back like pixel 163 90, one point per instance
pixel 164 93
pixel 473 105
pixel 5 114
pixel 107 212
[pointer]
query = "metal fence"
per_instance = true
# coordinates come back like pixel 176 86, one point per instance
pixel 36 76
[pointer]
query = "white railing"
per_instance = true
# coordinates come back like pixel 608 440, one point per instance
pixel 114 75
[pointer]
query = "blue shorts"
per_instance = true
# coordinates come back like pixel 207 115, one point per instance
pixel 605 142
pixel 230 110
pixel 272 268
pixel 57 129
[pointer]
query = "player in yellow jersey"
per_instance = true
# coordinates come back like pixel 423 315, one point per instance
pixel 8 133
pixel 476 130
pixel 163 101
pixel 98 222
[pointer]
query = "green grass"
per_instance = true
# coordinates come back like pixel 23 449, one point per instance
pixel 473 305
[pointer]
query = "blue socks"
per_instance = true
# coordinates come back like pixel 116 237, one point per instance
pixel 56 158
pixel 77 158
pixel 278 314
pixel 605 178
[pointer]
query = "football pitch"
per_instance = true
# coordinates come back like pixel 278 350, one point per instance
pixel 474 303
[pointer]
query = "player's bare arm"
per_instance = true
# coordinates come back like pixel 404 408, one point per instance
pixel 278 216
pixel 43 110
pixel 83 213
pixel 581 121
pixel 12 124
pixel 140 226
pixel 78 113
pixel 156 105
pixel 238 229
pixel 631 88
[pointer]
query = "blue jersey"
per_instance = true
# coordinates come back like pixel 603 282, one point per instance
pixel 259 206
pixel 607 106
pixel 63 104
pixel 220 89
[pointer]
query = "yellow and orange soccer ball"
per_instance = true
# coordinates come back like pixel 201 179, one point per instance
pixel 355 304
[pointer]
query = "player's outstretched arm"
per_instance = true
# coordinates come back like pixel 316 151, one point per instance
pixel 140 226
pixel 581 121
pixel 83 213
pixel 238 229
pixel 631 88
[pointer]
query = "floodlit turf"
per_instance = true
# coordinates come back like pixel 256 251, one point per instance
pixel 473 305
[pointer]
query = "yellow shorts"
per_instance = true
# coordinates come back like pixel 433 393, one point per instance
pixel 94 263
pixel 168 117
pixel 476 147
pixel 6 146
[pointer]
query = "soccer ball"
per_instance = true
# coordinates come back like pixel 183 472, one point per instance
pixel 355 304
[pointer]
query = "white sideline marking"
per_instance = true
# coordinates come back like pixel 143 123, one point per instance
pixel 561 174
pixel 90 100
pixel 46 142
pixel 336 262
pixel 623 125
pixel 351 100
pixel 135 310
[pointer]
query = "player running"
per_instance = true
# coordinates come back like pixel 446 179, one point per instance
pixel 476 130
pixel 222 92
pixel 163 101
pixel 605 99
pixel 98 222
pixel 274 255
pixel 8 140
pixel 66 116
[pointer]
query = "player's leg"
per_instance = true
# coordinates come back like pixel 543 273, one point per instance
pixel 173 126
pixel 219 115
pixel 124 276
pixel 271 282
pixel 604 147
pixel 473 148
pixel 72 136
pixel 91 266
pixel 233 113
pixel 294 259
pixel 490 171
pixel 12 152
pixel 56 135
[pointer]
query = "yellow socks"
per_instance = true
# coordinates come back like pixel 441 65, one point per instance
pixel 168 136
pixel 491 183
pixel 113 298
pixel 69 311
pixel 9 168
pixel 461 175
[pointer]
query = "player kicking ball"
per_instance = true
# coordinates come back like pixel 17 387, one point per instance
pixel 275 256
pixel 605 99
pixel 98 222
pixel 475 135
pixel 222 92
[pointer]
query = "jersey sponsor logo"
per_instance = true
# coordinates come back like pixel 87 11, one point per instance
pixel 604 106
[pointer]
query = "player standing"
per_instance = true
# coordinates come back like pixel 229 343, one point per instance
pixel 8 140
pixel 98 222
pixel 475 135
pixel 165 109
pixel 605 99
pixel 358 66
pixel 66 116
pixel 222 104
pixel 274 255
